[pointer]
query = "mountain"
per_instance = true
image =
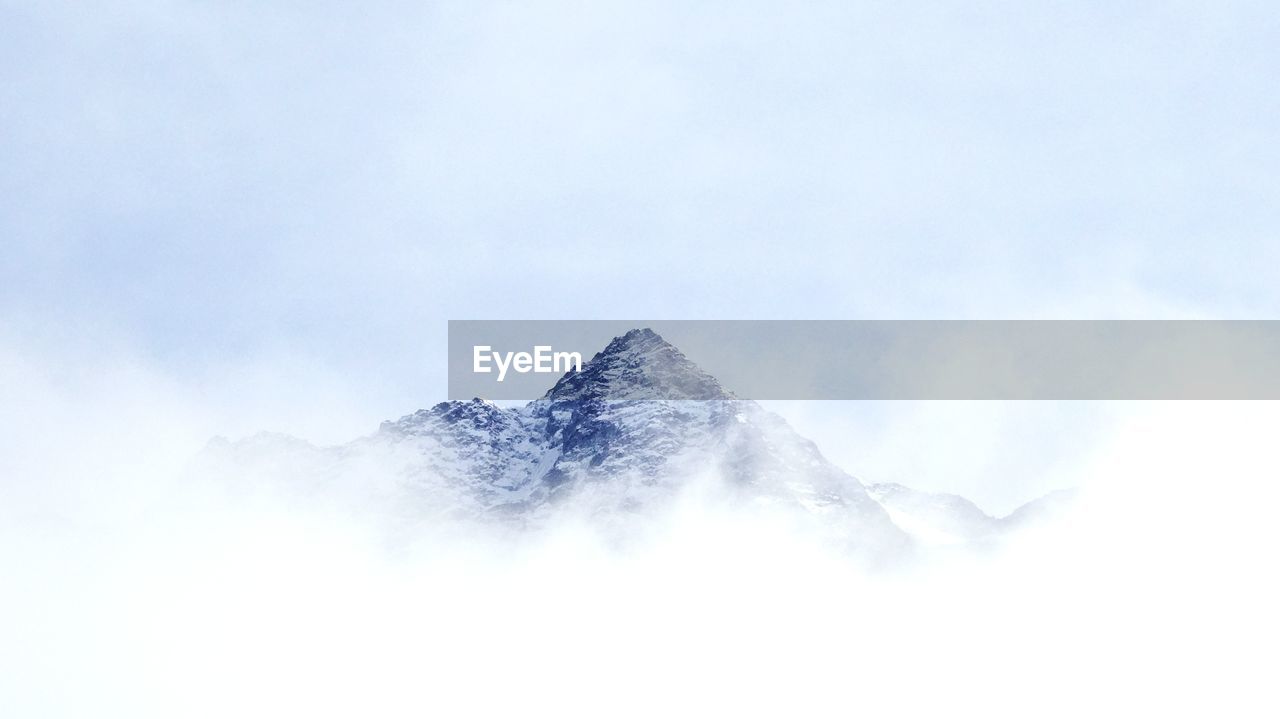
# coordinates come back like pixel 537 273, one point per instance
pixel 598 447
pixel 939 519
pixel 935 518
pixel 1039 511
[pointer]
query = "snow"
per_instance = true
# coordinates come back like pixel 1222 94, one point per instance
pixel 599 443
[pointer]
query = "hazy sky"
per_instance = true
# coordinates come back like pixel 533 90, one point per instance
pixel 290 201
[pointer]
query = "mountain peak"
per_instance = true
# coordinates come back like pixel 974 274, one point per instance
pixel 641 336
pixel 638 365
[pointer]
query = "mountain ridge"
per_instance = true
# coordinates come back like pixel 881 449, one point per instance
pixel 597 445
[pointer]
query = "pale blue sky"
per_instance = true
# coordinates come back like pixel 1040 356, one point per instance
pixel 209 185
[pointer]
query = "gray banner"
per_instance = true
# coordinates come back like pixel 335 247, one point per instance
pixel 856 359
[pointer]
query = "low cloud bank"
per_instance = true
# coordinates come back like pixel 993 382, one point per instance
pixel 133 593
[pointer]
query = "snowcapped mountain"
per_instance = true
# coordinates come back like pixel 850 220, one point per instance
pixel 935 518
pixel 1043 509
pixel 597 446
pixel 939 519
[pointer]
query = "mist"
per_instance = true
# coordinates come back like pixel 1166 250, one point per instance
pixel 134 590
pixel 222 219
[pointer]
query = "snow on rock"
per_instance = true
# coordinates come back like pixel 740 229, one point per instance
pixel 599 446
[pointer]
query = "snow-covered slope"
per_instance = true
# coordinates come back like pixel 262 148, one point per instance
pixel 934 518
pixel 938 519
pixel 598 446
pixel 1038 511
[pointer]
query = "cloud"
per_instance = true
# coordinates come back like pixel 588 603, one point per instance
pixel 222 180
pixel 229 218
pixel 153 596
